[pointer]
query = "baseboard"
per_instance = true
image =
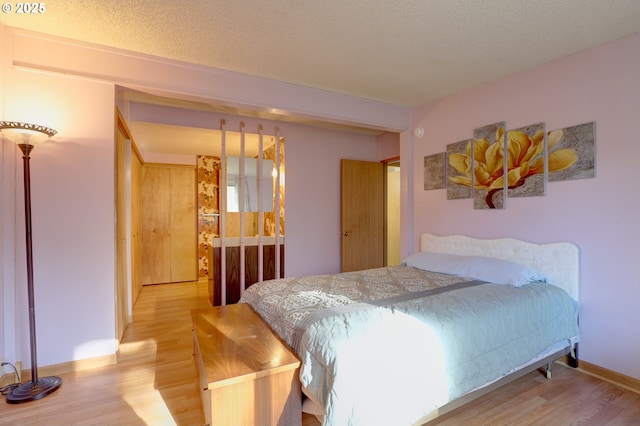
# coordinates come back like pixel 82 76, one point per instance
pixel 85 364
pixel 610 376
pixel 607 375
pixel 72 366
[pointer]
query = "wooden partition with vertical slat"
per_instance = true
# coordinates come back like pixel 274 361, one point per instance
pixel 233 266
pixel 244 253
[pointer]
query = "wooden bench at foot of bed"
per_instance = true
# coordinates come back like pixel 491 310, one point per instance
pixel 246 374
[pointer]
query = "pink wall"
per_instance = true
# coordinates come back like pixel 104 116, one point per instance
pixel 313 195
pixel 72 192
pixel 599 215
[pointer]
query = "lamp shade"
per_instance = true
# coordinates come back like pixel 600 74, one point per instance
pixel 25 133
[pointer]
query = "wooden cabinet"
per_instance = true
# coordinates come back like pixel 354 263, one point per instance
pixel 232 267
pixel 247 375
pixel 169 224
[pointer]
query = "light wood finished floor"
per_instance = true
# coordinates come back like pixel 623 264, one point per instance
pixel 154 383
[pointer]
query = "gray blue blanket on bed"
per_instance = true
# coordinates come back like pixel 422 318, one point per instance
pixel 390 345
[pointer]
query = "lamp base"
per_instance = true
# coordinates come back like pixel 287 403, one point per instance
pixel 31 391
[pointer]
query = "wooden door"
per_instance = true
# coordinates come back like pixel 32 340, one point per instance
pixel 362 215
pixel 156 226
pixel 169 224
pixel 184 226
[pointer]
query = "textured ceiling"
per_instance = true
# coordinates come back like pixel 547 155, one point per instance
pixel 406 52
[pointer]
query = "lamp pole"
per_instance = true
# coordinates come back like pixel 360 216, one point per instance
pixel 26 150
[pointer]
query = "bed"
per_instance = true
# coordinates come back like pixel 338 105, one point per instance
pixel 403 344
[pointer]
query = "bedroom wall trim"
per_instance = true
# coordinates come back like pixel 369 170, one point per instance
pixel 65 367
pixel 607 375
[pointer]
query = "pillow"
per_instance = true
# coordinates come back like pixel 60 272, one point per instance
pixel 488 269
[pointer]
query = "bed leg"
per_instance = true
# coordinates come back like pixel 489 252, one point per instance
pixel 549 364
pixel 572 358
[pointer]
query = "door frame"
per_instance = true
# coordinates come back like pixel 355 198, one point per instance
pixel 127 257
pixel 390 162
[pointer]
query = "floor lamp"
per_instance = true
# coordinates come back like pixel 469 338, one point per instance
pixel 26 136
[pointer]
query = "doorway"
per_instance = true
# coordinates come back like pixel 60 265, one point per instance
pixel 370 214
pixel 392 213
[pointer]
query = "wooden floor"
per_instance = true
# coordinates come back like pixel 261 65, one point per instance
pixel 154 383
pixel 569 398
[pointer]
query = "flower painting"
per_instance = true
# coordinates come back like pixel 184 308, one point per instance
pixel 515 163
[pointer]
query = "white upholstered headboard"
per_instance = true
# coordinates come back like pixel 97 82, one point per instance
pixel 558 261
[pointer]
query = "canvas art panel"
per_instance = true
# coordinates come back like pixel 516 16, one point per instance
pixel 434 171
pixel 459 164
pixel 526 164
pixel 572 152
pixel 489 167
